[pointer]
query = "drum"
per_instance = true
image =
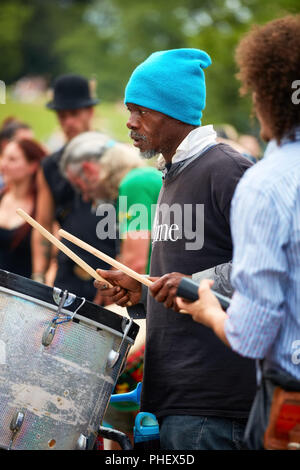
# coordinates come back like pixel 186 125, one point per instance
pixel 60 358
pixel 121 415
pixel 141 336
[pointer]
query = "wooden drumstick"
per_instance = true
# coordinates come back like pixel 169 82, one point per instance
pixel 61 246
pixel 116 264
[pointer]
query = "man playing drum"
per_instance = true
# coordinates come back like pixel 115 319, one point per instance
pixel 200 391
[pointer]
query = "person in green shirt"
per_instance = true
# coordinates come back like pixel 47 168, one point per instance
pixel 105 171
pixel 140 187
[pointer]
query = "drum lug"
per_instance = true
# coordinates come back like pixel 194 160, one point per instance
pixel 113 355
pixel 15 425
pixel 50 330
pixel 57 295
pixel 49 334
pixel 124 324
pixel 82 442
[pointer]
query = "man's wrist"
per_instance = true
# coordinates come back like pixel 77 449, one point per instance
pixel 216 322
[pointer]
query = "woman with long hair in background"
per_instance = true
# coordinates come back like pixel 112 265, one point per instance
pixel 19 164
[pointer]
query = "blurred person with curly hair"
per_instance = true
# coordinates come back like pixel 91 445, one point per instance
pixel 268 59
pixel 262 321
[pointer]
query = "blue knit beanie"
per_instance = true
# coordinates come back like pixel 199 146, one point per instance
pixel 171 82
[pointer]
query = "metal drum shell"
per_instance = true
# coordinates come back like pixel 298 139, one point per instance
pixel 63 389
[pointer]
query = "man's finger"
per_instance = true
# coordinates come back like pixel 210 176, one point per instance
pixel 184 312
pixel 102 286
pixel 205 285
pixel 170 299
pixel 123 301
pixel 156 286
pixel 111 275
pixel 164 292
pixel 120 295
pixel 107 291
pixel 102 272
pixel 182 303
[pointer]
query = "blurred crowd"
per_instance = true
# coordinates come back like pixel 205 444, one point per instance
pixel 238 233
pixel 67 188
pixel 30 178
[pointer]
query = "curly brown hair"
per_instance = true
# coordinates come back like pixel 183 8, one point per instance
pixel 268 58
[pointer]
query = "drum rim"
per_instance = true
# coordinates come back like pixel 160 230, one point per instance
pixel 96 313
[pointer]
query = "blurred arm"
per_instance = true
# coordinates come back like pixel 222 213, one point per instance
pixel 135 250
pixel 42 248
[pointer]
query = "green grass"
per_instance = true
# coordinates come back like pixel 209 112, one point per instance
pixel 36 115
pixel 110 118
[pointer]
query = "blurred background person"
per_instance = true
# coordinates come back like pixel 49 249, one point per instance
pixel 102 169
pixel 19 164
pixel 247 145
pixel 57 200
pixel 11 129
pixel 251 143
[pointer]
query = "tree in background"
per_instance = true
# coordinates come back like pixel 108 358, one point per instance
pixel 106 39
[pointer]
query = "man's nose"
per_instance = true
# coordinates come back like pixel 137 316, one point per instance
pixel 132 122
pixel 69 121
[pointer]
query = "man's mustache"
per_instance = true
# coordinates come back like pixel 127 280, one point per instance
pixel 135 136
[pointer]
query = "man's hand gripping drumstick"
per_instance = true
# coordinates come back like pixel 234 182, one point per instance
pixel 127 289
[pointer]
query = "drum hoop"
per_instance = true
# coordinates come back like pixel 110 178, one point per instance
pixel 112 321
pixel 66 312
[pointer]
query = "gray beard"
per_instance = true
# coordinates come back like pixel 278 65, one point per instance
pixel 147 154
